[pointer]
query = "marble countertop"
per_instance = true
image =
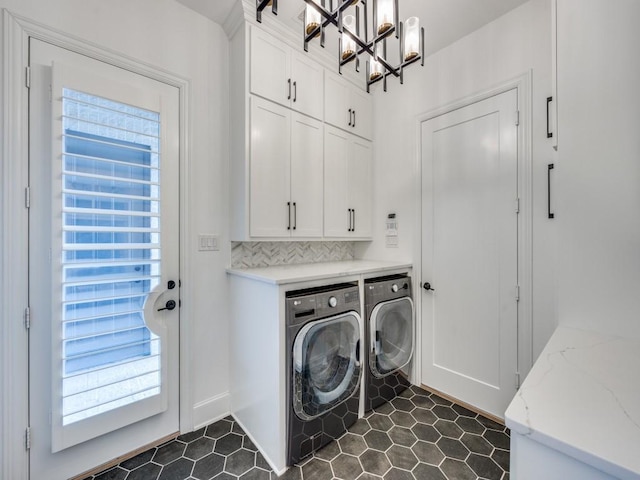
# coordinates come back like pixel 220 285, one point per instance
pixel 582 398
pixel 284 274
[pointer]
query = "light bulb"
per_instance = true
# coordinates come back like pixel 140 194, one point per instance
pixel 313 19
pixel 411 38
pixel 376 68
pixel 348 44
pixel 384 14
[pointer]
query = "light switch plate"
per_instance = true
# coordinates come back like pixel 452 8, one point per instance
pixel 208 243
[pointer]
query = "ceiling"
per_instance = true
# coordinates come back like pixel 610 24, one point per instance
pixel 444 21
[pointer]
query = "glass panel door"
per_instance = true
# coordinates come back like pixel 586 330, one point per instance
pixel 392 336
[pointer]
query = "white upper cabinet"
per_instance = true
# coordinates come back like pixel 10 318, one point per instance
pixel 282 75
pixel 347 107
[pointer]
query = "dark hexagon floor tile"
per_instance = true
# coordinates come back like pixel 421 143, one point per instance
pixel 191 436
pixel 457 470
pixel 424 416
pixel 408 393
pixel 497 439
pixel 138 460
pixel 425 432
pixel 218 429
pixel 378 440
pixel 293 473
pixel 352 444
pixel 256 474
pixel 487 423
pixel 228 444
pixel 240 462
pixel 446 413
pixel 329 451
pixel 346 467
pixel 419 391
pixel 199 448
pixel 248 444
pixel 369 476
pixel 440 401
pixel 360 427
pixel 236 428
pixel 178 470
pixel 428 453
pixel 476 444
pixel 374 462
pixel 261 462
pixel 453 448
pixel 208 466
pixel 502 458
pixel 402 457
pixel 225 476
pixel 149 471
pixel 484 467
pixel 169 452
pixel 428 472
pixel 402 436
pixel 385 409
pixel 403 404
pixel 380 422
pixel 397 474
pixel 115 473
pixel 403 419
pixel 448 429
pixel 465 412
pixel 470 425
pixel 422 402
pixel 317 470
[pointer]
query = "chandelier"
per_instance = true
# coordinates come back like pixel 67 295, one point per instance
pixel 357 39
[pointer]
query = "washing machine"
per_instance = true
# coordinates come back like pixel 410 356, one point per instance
pixel 323 365
pixel 390 333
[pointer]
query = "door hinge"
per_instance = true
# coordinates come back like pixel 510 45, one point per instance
pixel 27 438
pixel 27 77
pixel 517 381
pixel 517 293
pixel 27 197
pixel 27 318
pixel 517 205
pixel 517 118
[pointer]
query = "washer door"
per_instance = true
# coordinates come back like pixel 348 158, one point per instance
pixel 392 331
pixel 326 366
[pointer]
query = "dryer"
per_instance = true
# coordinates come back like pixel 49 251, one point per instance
pixel 390 333
pixel 323 366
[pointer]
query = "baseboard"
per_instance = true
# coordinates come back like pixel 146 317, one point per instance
pixel 466 405
pixel 210 410
pixel 264 455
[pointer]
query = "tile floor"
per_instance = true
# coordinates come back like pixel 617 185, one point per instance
pixel 417 436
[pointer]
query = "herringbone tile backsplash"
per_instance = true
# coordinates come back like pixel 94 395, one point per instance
pixel 265 254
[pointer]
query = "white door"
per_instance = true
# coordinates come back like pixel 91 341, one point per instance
pixel 270 68
pixel 271 210
pixel 360 181
pixel 337 95
pixel 362 106
pixel 469 253
pixel 307 95
pixel 104 247
pixel 307 161
pixel 337 213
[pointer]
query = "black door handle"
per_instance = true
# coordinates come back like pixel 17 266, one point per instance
pixel 549 214
pixel 171 284
pixel 549 134
pixel 295 216
pixel 170 305
pixel 289 83
pixel 427 287
pixel 350 117
pixel 295 91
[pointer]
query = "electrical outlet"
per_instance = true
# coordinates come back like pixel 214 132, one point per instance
pixel 208 243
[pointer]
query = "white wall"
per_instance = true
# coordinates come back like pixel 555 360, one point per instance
pixel 599 165
pixel 167 35
pixel 502 50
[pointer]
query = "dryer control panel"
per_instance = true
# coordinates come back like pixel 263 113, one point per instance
pixel 312 303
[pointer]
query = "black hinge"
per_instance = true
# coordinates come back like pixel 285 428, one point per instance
pixel 27 318
pixel 27 438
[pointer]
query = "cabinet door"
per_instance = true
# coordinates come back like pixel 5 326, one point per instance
pixel 270 68
pixel 308 92
pixel 307 157
pixel 336 101
pixel 270 169
pixel 336 209
pixel 362 105
pixel 360 188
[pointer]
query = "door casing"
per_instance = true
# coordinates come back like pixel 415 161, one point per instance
pixel 14 165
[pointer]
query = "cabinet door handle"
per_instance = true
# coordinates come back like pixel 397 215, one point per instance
pixel 295 91
pixel 289 95
pixel 288 215
pixel 295 216
pixel 549 168
pixel 354 119
pixel 350 117
pixel 349 229
pixel 549 134
pixel 353 223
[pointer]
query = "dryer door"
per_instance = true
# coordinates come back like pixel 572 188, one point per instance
pixel 392 331
pixel 326 366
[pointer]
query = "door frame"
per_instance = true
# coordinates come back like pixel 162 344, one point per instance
pixel 522 84
pixel 14 284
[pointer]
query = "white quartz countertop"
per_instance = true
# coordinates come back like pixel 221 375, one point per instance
pixel 582 398
pixel 284 274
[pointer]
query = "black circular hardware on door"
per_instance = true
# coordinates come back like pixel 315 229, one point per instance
pixel 171 284
pixel 427 287
pixel 170 305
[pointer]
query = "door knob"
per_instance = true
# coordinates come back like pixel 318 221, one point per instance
pixel 427 287
pixel 170 305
